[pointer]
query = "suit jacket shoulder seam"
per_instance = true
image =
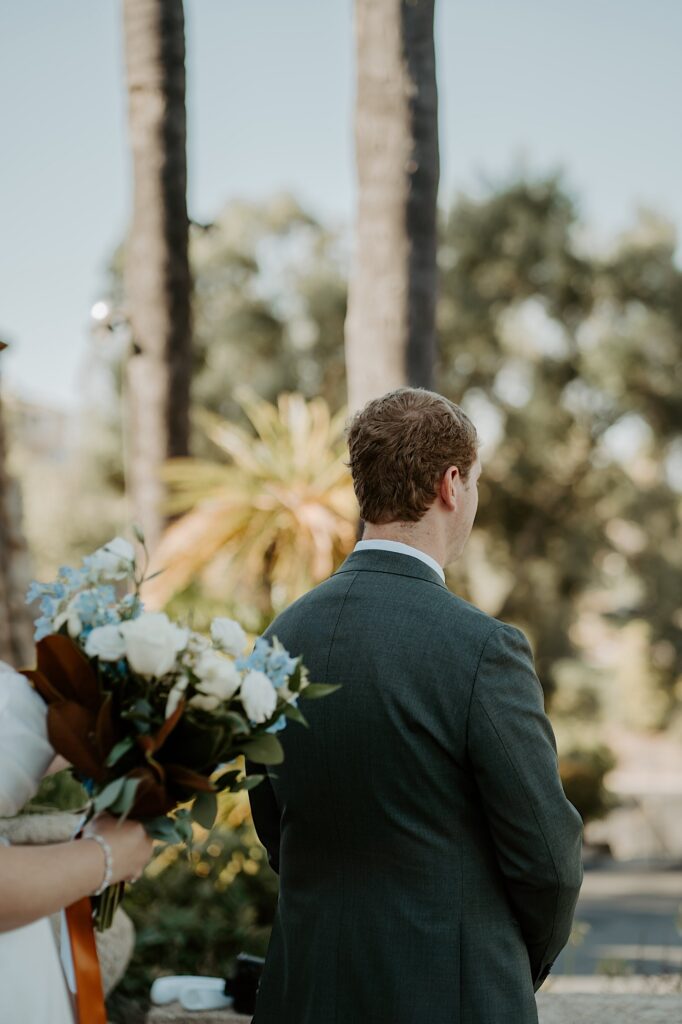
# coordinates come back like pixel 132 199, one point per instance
pixel 406 575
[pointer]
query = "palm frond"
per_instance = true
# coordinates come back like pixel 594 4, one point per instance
pixel 280 514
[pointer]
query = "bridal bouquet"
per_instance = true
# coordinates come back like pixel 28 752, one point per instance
pixel 149 713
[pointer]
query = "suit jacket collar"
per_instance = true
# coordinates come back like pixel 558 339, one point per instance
pixel 392 562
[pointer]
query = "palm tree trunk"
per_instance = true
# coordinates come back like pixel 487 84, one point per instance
pixel 157 276
pixel 16 624
pixel 390 335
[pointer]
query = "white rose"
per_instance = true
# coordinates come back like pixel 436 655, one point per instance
pixel 113 561
pixel 258 696
pixel 175 695
pixel 152 643
pixel 105 643
pixel 228 635
pixel 218 675
pixel 207 703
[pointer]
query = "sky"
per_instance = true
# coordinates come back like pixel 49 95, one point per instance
pixel 589 86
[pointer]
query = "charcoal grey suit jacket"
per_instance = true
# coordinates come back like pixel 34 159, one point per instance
pixel 429 861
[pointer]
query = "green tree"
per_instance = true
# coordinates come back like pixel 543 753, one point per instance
pixel 567 357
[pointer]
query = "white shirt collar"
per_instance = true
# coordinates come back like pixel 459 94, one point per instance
pixel 402 549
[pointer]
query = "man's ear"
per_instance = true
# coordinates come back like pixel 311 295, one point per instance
pixel 448 487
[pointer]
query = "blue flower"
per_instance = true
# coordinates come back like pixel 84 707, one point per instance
pixel 278 725
pixel 132 603
pixel 35 591
pixel 43 628
pixel 87 604
pixel 48 606
pixel 257 659
pixel 72 577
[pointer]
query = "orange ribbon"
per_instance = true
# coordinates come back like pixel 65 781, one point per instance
pixel 89 991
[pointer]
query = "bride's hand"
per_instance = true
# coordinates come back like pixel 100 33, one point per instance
pixel 131 847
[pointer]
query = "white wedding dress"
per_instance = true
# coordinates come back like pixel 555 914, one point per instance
pixel 32 985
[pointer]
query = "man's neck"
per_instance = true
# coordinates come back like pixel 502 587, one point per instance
pixel 416 539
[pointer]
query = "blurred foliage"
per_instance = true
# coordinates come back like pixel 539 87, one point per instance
pixel 573 362
pixel 273 519
pixel 194 913
pixel 57 792
pixel 582 775
pixel 567 358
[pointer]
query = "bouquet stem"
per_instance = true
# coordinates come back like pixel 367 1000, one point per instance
pixel 104 906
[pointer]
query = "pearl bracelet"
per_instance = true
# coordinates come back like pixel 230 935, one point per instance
pixel 108 861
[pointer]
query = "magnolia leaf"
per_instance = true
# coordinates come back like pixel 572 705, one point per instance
pixel 314 690
pixel 62 662
pixel 188 779
pixel 109 794
pixel 264 749
pixel 291 711
pixel 117 752
pixel 166 729
pixel 105 729
pixel 204 810
pixel 69 729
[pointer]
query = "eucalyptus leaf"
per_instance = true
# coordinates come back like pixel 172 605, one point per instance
pixel 227 779
pixel 163 829
pixel 291 711
pixel 249 782
pixel 204 810
pixel 294 680
pixel 315 690
pixel 117 751
pixel 109 794
pixel 264 749
pixel 183 827
pixel 124 802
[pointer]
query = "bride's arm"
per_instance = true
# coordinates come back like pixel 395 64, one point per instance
pixel 39 880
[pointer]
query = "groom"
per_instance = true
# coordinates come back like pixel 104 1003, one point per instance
pixel 429 861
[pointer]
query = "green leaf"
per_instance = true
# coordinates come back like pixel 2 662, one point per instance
pixel 294 680
pixel 315 690
pixel 204 809
pixel 248 782
pixel 117 752
pixel 264 749
pixel 226 780
pixel 164 829
pixel 291 711
pixel 124 801
pixel 109 794
pixel 183 826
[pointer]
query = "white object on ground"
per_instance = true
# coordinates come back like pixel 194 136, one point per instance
pixel 170 989
pixel 192 998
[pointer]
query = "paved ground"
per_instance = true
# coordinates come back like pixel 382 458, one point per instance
pixel 553 1009
pixel 629 922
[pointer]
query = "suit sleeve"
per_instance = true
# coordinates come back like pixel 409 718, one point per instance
pixel 265 813
pixel 536 831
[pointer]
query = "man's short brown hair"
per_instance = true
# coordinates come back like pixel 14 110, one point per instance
pixel 400 445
